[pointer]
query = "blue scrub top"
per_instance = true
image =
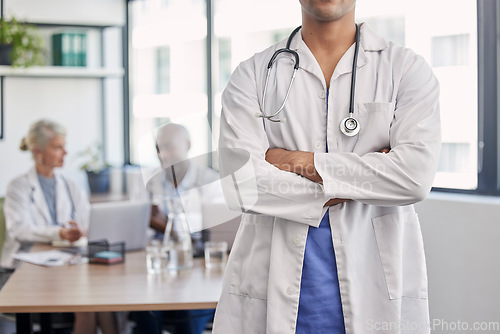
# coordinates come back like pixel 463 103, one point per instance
pixel 48 185
pixel 320 308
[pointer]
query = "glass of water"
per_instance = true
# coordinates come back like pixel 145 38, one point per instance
pixel 156 258
pixel 215 254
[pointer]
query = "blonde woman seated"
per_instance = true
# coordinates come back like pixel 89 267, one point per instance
pixel 44 206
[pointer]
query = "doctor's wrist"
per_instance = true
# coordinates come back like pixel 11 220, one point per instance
pixel 303 164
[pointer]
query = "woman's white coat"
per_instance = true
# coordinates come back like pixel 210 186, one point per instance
pixel 27 216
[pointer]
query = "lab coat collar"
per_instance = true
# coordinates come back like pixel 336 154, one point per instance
pixel 37 196
pixel 369 42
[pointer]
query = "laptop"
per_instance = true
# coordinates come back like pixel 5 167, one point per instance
pixel 126 221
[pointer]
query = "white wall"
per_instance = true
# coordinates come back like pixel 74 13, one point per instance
pixel 75 103
pixel 97 12
pixel 461 237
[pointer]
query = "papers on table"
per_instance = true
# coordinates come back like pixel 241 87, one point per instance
pixel 51 258
pixel 82 242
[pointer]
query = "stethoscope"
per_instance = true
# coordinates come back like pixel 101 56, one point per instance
pixel 349 125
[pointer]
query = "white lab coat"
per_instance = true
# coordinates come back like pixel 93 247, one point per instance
pixel 376 237
pixel 27 215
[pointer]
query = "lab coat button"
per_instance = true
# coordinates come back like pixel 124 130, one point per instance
pixel 290 290
pixel 321 94
pixel 296 241
pixel 318 144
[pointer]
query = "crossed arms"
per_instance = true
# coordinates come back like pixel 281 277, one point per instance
pixel 295 185
pixel 301 163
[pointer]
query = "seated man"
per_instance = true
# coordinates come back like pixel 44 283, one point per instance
pixel 180 176
pixel 195 185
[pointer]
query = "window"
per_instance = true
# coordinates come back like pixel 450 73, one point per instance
pixel 163 70
pixel 240 35
pixel 175 32
pixel 392 28
pixel 225 68
pixel 169 73
pixel 449 44
pixel 450 50
pixel 454 157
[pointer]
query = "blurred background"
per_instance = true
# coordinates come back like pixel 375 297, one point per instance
pixel 144 63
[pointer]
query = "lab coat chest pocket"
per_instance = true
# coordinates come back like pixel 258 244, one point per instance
pixel 251 254
pixel 401 250
pixel 375 121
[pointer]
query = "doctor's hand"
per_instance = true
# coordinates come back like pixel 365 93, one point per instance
pixel 298 162
pixel 71 233
pixel 158 221
pixel 335 201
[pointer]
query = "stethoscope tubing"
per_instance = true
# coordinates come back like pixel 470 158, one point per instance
pixel 272 117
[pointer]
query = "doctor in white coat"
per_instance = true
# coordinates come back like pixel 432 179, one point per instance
pixel 286 177
pixel 43 205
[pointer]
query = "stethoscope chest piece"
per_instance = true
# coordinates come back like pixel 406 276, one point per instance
pixel 349 126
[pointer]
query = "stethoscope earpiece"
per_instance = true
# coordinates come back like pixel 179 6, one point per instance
pixel 278 120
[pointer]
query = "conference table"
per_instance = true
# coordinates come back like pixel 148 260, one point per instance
pixel 96 287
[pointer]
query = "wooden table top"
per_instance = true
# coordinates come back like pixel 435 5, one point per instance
pixel 119 287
